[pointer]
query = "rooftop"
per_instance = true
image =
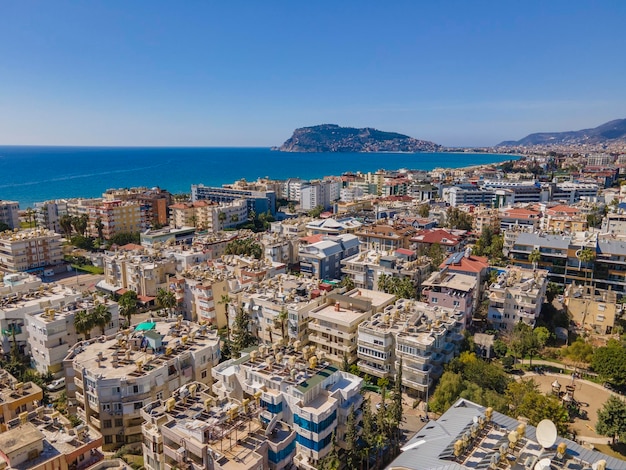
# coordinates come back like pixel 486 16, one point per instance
pixel 456 281
pixel 126 355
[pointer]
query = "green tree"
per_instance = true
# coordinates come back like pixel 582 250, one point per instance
pixel 331 461
pixel 128 305
pixel 221 217
pixel 457 219
pixel 579 352
pixel 552 290
pixel 368 434
pixel 101 316
pixel 83 323
pixel 542 336
pixel 241 337
pixel 534 257
pixel 423 210
pixel 612 419
pixel 80 223
pixel 166 300
pixel 348 283
pixel 610 363
pixel 447 392
pixel 244 246
pixel 522 340
pixel 351 441
pixel 537 407
pixel 100 228
pixel 436 255
pixel 125 238
pixel 500 348
pixel 586 256
pixel 225 301
pixel 316 211
pixel 396 411
pixel 283 317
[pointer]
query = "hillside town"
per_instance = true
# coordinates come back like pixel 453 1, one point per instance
pixel 395 319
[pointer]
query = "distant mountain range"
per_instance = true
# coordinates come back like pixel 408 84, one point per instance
pixel 610 132
pixel 333 138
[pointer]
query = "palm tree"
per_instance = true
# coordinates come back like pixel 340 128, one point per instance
pixel 222 218
pixel 282 320
pixel 534 257
pixel 128 304
pixel 100 228
pixel 83 323
pixel 66 225
pixel 586 255
pixel 270 330
pixel 30 215
pixel 226 300
pixel 101 316
pixel 166 299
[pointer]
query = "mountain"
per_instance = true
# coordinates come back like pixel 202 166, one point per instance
pixel 333 138
pixel 612 131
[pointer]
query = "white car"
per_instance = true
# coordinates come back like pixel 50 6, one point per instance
pixel 57 384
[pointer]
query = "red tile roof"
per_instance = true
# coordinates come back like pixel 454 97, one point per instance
pixel 404 251
pixel 313 238
pixel 131 247
pixel 437 236
pixel 562 209
pixel 473 264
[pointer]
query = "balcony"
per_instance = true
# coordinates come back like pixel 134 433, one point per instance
pixel 95 422
pixel 368 369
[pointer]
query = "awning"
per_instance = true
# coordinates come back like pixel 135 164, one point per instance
pixel 147 325
pixel 144 299
pixel 121 291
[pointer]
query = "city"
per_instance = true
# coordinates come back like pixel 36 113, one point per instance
pixel 273 324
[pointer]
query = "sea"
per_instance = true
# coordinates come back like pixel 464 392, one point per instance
pixel 36 174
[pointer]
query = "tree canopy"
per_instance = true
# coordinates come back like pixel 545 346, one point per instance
pixel 610 363
pixel 612 419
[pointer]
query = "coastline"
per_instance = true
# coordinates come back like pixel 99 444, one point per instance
pixel 37 174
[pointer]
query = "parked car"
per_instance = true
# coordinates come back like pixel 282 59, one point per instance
pixel 57 384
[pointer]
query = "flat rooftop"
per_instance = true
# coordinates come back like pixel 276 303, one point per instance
pixel 98 356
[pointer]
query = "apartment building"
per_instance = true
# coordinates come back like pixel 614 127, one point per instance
pixel 51 330
pixel 322 260
pixel 483 217
pixel 49 213
pixel 422 336
pixel 562 218
pixel 167 236
pixel 570 192
pixel 18 400
pixel 296 227
pixel 259 201
pixel 30 250
pixel 269 302
pixel 79 206
pixel 319 193
pixel 333 227
pixel 208 215
pixel 111 379
pixel 592 310
pixel 116 217
pixel 333 326
pixel 280 248
pixel 517 295
pixel 366 267
pixel 381 237
pixel 137 270
pixel 512 217
pixel 453 290
pixel 468 194
pixel 298 387
pixel 449 240
pixel 154 202
pixel 45 440
pixel 614 223
pixel 195 430
pixel 10 213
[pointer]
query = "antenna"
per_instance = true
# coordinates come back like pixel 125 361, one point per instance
pixel 546 434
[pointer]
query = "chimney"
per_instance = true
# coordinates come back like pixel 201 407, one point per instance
pixel 337 309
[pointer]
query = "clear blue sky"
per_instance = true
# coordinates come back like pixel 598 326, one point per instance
pixel 231 73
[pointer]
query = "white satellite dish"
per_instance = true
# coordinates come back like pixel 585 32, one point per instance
pixel 543 464
pixel 546 433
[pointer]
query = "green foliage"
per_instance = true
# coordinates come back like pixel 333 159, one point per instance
pixel 348 283
pixel 610 363
pixel 401 287
pixel 457 219
pixel 241 337
pixel 128 305
pixel 383 382
pixel 500 348
pixel 244 246
pixel 508 362
pixel 83 323
pixel 351 442
pixel 423 210
pixel 4 227
pixel 125 238
pixel 447 392
pixel 612 419
pixel 489 244
pixel 316 211
pixel 82 242
pixel 534 257
pixel 475 370
pixel 552 290
pixel 166 299
pixel 436 254
pixel 525 399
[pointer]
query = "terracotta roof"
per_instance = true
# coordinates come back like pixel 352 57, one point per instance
pixel 313 238
pixel 473 264
pixel 131 247
pixel 404 251
pixel 562 208
pixel 437 236
pixel 519 213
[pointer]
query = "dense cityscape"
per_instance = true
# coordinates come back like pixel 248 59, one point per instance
pixel 333 323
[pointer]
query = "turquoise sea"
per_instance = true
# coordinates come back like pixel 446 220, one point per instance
pixel 33 174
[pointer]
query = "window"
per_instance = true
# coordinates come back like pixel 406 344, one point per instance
pixel 108 439
pixel 434 300
pixel 106 424
pixel 203 374
pixel 138 405
pixel 119 422
pixel 159 396
pixel 106 407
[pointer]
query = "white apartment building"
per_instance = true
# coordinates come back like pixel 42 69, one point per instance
pixel 193 428
pixel 280 248
pixel 208 215
pixel 298 387
pixel 518 294
pixel 333 326
pixel 30 250
pixel 111 379
pixel 10 213
pixel 49 214
pixel 424 337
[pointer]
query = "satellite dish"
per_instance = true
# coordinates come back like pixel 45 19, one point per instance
pixel 543 464
pixel 546 434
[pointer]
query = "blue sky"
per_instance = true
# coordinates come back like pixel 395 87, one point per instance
pixel 234 73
